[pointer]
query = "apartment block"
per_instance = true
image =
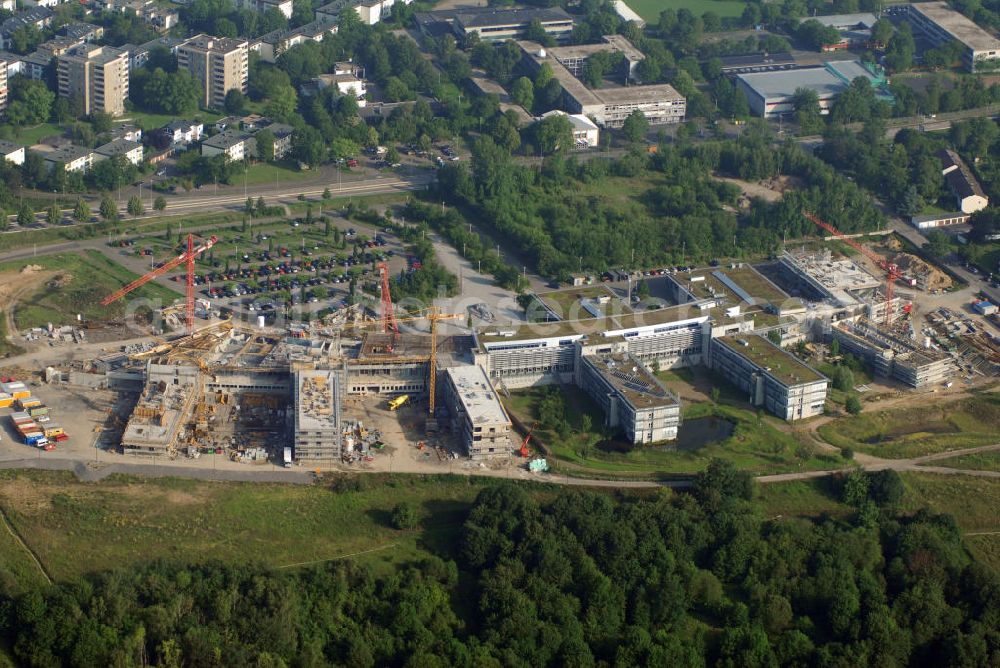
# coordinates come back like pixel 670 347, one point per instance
pixel 96 75
pixel 771 377
pixel 631 397
pixel 220 63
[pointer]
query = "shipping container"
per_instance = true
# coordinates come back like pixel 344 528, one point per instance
pixel 38 410
pixel 6 401
pixel 29 429
pixel 25 404
pixel 19 414
pixel 51 430
pixel 16 389
pixel 61 437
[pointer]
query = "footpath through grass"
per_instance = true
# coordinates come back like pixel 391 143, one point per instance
pixel 979 461
pixel 923 429
pixel 78 528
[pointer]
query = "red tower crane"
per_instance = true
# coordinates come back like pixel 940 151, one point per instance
pixel 188 257
pixel 524 446
pixel 891 269
pixel 389 323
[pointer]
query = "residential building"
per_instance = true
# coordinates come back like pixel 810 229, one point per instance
pixel 98 76
pixel 478 418
pixel 139 55
pixel 498 24
pixel 4 73
pixel 219 63
pixel 631 397
pixel 234 144
pixel 275 43
pixel 130 150
pixel 57 46
pixel 346 84
pixel 8 5
pixel 282 6
pixel 369 11
pixel 772 93
pixel 282 138
pixel 942 24
pixel 317 427
pixel 73 158
pixel 85 32
pixel 12 153
pixel 37 17
pixel 128 132
pixel 969 195
pixel 772 378
pixel 36 65
pixel 183 132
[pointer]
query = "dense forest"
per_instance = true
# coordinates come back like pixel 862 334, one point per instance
pixel 578 579
pixel 560 220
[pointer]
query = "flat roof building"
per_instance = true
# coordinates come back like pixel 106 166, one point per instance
pixel 477 416
pixel 317 432
pixel 942 24
pixel 770 93
pixel 631 397
pixel 494 24
pixel 221 64
pixel 97 76
pixel 891 356
pixel 611 105
pixel 771 377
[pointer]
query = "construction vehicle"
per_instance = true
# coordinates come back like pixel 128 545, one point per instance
pixel 399 402
pixel 187 257
pixel 524 445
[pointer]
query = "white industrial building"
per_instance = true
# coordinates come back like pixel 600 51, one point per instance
pixel 477 416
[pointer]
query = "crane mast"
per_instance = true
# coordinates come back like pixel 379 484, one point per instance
pixel 187 257
pixel 891 269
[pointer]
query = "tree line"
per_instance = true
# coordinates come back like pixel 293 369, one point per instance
pixel 566 578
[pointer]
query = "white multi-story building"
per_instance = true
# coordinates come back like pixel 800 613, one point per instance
pixel 771 377
pixel 631 397
pixel 477 416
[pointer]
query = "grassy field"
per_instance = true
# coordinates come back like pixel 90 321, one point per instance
pixel 36 133
pixel 971 501
pixel 154 121
pixel 756 444
pixel 799 498
pixel 980 461
pixel 77 528
pixel 920 430
pixel 85 279
pixel 650 9
pixel 18 572
pixel 264 173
